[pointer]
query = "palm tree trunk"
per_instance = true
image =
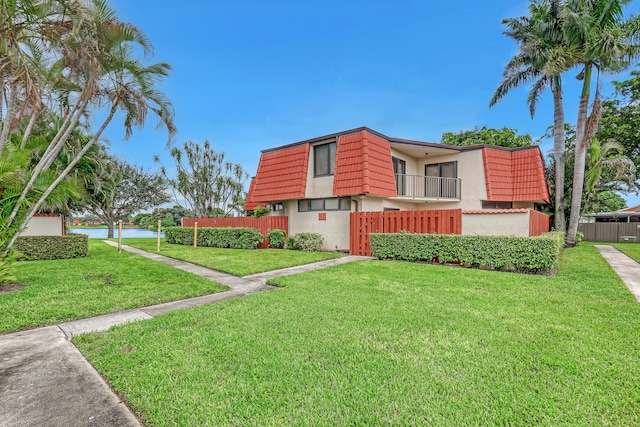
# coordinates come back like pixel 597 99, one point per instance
pixel 558 156
pixel 579 162
pixel 12 104
pixel 27 131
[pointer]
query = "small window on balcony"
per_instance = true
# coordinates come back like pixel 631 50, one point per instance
pixel 324 159
pixel 441 180
pixel 400 171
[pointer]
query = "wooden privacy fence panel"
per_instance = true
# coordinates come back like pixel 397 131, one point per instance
pixel 260 223
pixel 610 231
pixel 447 221
pixel 538 223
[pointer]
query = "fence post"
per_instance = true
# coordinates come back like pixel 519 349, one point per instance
pixel 195 234
pixel 119 236
pixel 159 228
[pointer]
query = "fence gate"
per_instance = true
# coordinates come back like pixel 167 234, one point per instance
pixel 444 221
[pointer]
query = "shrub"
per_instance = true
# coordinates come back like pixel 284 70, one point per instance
pixel 306 242
pixel 276 238
pixel 234 238
pixel 32 248
pixel 524 254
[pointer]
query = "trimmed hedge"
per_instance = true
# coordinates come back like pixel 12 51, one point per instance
pixel 306 242
pixel 276 238
pixel 34 248
pixel 228 237
pixel 523 254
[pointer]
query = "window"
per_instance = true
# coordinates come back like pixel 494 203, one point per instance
pixel 496 205
pixel 328 204
pixel 277 206
pixel 400 171
pixel 324 159
pixel 440 181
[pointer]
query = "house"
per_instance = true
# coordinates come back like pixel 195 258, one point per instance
pixel 45 224
pixel 318 182
pixel 631 214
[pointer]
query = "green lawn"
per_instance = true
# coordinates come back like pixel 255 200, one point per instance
pixel 379 343
pixel 103 282
pixel 239 262
pixel 631 249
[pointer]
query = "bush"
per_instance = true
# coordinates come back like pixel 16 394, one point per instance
pixel 276 238
pixel 306 242
pixel 523 254
pixel 33 248
pixel 234 238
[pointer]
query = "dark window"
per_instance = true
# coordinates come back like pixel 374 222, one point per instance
pixel 496 205
pixel 324 159
pixel 277 207
pixel 446 185
pixel 400 171
pixel 328 204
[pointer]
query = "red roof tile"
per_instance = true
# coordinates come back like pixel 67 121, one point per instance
pixel 631 209
pixel 363 166
pixel 282 175
pixel 514 175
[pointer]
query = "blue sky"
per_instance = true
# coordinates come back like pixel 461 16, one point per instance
pixel 254 74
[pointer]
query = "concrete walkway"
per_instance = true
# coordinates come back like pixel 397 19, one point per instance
pixel 627 268
pixel 44 380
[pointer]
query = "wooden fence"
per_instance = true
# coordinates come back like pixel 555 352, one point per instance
pixel 611 231
pixel 431 221
pixel 538 223
pixel 261 223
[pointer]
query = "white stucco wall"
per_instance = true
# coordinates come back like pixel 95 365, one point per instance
pixel 44 226
pixel 335 229
pixel 495 224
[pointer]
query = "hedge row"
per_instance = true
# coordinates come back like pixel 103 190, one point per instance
pixel 523 254
pixel 34 248
pixel 234 238
pixel 305 242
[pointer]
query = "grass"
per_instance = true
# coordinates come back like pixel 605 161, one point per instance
pixel 377 343
pixel 239 262
pixel 103 282
pixel 631 249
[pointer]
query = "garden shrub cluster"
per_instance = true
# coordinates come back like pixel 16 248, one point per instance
pixel 306 242
pixel 276 238
pixel 523 254
pixel 228 237
pixel 34 248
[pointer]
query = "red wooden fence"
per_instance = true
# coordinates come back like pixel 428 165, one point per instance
pixel 432 221
pixel 261 223
pixel 538 223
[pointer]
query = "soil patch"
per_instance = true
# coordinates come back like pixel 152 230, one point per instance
pixel 10 287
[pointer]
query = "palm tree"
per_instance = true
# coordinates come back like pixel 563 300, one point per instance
pixel 609 169
pixel 608 43
pixel 100 54
pixel 544 55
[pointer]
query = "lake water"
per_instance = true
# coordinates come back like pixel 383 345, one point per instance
pixel 101 233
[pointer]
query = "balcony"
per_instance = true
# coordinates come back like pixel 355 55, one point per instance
pixel 421 188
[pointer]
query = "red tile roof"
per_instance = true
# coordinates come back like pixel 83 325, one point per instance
pixel 282 175
pixel 631 209
pixel 514 175
pixel 363 166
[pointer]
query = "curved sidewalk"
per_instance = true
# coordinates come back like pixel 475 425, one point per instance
pixel 45 380
pixel 624 266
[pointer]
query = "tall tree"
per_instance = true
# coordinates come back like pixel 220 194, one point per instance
pixel 504 137
pixel 209 184
pixel 123 190
pixel 607 42
pixel 89 63
pixel 543 55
